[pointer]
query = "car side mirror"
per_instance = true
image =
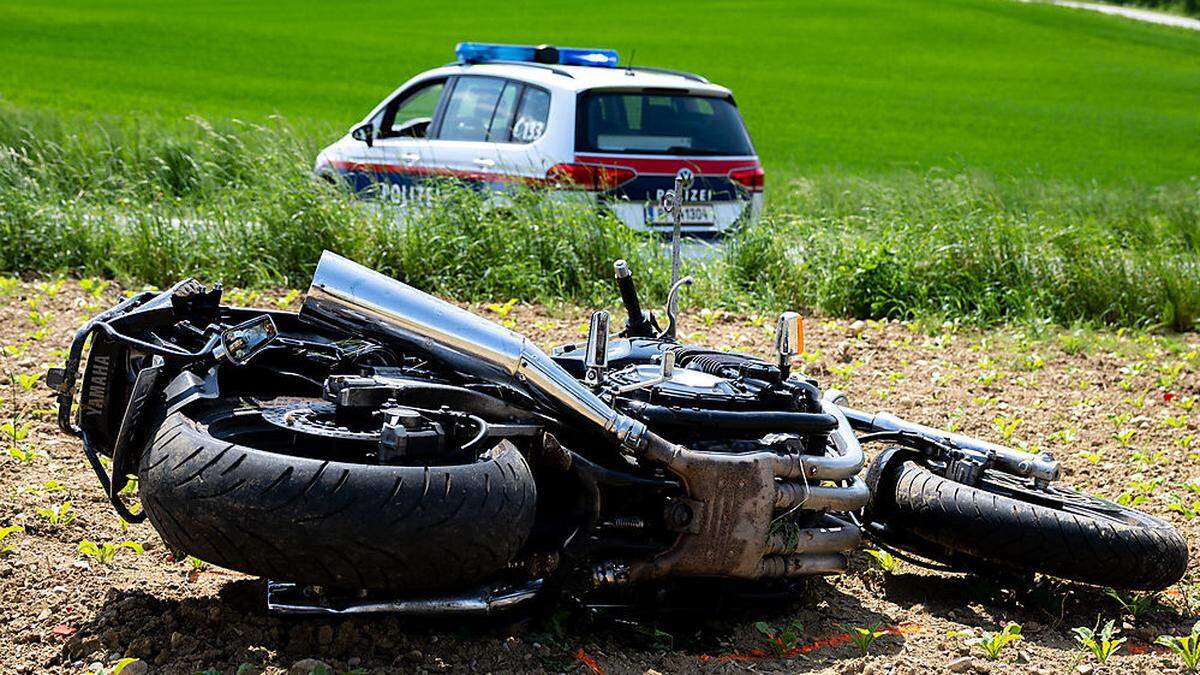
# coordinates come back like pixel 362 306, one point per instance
pixel 364 132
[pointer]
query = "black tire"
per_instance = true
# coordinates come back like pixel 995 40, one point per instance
pixel 328 523
pixel 999 523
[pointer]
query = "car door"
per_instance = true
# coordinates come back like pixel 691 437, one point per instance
pixel 518 134
pixel 476 110
pixel 397 165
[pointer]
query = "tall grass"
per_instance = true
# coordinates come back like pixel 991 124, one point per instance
pixel 236 203
pixel 968 247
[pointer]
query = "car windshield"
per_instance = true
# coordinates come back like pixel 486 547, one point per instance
pixel 658 123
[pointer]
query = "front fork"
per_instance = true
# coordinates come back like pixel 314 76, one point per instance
pixel 966 458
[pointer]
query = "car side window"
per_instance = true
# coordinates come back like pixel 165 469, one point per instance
pixel 533 112
pixel 502 118
pixel 409 115
pixel 473 102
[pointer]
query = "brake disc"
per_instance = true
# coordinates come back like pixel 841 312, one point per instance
pixel 317 419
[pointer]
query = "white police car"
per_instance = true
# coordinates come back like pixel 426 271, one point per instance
pixel 504 115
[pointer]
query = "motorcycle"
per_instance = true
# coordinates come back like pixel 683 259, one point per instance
pixel 385 450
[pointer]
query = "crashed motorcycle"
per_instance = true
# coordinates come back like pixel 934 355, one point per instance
pixel 385 450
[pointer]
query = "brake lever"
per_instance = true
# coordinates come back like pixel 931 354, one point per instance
pixel 668 333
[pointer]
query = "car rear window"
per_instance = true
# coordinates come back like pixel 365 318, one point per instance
pixel 660 123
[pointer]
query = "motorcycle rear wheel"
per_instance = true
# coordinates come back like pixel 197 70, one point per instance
pixel 252 507
pixel 1000 522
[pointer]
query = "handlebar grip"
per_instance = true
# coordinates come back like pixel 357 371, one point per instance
pixel 628 292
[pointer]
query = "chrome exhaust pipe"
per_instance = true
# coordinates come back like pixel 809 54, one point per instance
pixel 828 535
pixel 349 297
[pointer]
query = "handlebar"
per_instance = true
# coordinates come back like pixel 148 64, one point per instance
pixel 639 323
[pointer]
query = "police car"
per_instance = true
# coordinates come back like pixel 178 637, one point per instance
pixel 572 119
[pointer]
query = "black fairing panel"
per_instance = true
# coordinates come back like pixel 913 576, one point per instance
pixel 104 392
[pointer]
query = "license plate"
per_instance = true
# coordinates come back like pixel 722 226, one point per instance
pixel 693 214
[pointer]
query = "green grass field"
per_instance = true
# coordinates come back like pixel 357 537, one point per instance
pixel 849 87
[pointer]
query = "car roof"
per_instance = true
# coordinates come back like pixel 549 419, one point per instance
pixel 582 78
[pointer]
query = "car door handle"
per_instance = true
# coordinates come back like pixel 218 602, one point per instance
pixel 410 156
pixel 484 161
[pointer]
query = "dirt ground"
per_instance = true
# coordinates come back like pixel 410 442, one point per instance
pixel 1115 408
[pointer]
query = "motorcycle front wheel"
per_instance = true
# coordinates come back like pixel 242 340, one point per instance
pixel 226 487
pixel 1003 522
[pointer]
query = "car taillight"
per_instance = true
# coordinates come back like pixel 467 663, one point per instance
pixel 750 178
pixel 591 177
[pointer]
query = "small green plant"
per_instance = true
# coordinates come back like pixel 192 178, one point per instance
pixel 28 381
pixel 1124 437
pixel 863 638
pixel 502 309
pixel 240 297
pixel 93 287
pixel 61 514
pixel 1186 647
pixel 1175 421
pixel 1136 605
pixel 1007 426
pixel 887 562
pixel 39 319
pixel 1181 506
pixel 106 552
pixel 15 435
pixel 287 300
pixel 781 641
pixel 1066 435
pixel 993 642
pixel 1101 644
pixel 120 666
pixel 50 288
pixel 5 549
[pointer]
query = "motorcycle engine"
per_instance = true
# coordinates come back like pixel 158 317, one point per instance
pixel 706 379
pixel 705 384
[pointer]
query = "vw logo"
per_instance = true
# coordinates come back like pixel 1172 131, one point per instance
pixel 685 177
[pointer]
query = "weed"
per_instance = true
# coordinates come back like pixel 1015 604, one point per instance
pixel 104 553
pixel 1186 647
pixel 780 641
pixel 1179 505
pixel 1124 437
pixel 1066 435
pixel 1136 605
pixel 39 319
pixel 1176 421
pixel 993 642
pixel 61 514
pixel 287 300
pixel 28 381
pixel 120 666
pixel 887 562
pixel 1007 426
pixel 1101 644
pixel 5 549
pixel 93 287
pixel 863 638
pixel 15 435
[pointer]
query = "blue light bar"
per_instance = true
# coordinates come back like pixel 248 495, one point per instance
pixel 481 52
